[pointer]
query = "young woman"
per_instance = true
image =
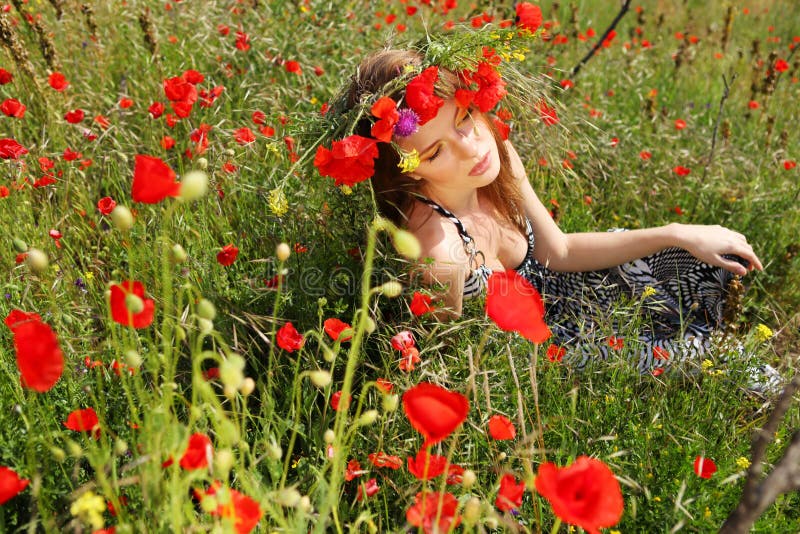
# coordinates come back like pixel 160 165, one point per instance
pixel 470 204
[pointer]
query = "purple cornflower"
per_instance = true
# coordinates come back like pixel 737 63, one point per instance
pixel 407 123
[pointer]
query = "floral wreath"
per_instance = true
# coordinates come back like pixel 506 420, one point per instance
pixel 351 157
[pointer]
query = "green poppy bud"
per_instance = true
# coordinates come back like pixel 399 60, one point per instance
pixel 122 218
pixel 407 244
pixel 194 186
pixel 206 309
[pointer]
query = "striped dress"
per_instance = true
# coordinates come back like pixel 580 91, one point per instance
pixel 680 298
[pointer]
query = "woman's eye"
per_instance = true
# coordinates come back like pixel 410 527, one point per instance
pixel 435 154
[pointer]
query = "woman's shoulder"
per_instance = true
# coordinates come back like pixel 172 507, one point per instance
pixel 438 236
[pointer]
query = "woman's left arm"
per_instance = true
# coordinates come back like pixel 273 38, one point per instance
pixel 600 250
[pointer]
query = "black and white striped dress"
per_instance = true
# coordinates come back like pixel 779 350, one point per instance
pixel 681 307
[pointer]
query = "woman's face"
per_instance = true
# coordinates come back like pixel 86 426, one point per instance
pixel 456 150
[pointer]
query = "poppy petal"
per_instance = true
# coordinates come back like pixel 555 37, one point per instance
pixel 434 411
pixel 516 306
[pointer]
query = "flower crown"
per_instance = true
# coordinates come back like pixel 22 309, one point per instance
pixel 351 157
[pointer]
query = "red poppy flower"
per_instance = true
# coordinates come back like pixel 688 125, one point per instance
pixel 10 484
pixel 402 340
pixel 420 95
pixel 39 357
pixel 244 136
pixel 616 343
pixel 681 170
pixel 58 81
pixel 645 155
pixel 5 77
pixel 125 308
pixel 353 470
pixel 384 385
pixel 789 164
pixel 156 109
pixel 84 421
pixel 420 304
pixel 660 353
pixel 455 474
pixel 434 411
pixel 153 180
pixel 409 359
pixel 781 65
pixel 17 317
pixel 289 339
pixel 10 149
pixel 547 114
pixel 529 16
pixel 491 87
pixel 515 305
pixel 680 124
pixel 11 107
pixel 350 160
pixel 509 496
pixel 293 67
pixel 368 488
pixel 501 428
pixel 199 452
pixel 125 103
pixel 704 467
pixel 177 89
pixel 555 353
pixel 334 328
pixel 259 117
pixel 585 494
pixel 336 401
pixel 435 465
pixel 381 459
pixel 241 509
pixel 428 506
pixel 227 255
pixel 106 205
pixel 386 110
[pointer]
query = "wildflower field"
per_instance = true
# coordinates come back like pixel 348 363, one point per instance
pixel 204 334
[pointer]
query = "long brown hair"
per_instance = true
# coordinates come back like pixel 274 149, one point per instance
pixel 395 190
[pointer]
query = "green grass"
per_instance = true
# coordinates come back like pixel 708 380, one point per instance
pixel 270 444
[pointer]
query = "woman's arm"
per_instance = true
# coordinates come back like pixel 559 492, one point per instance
pixel 600 250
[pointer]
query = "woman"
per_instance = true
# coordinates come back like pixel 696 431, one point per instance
pixel 470 204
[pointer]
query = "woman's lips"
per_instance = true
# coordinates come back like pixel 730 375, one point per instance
pixel 482 165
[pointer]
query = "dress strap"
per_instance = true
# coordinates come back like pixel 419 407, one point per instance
pixel 469 243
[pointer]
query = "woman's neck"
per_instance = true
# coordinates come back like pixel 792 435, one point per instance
pixel 458 202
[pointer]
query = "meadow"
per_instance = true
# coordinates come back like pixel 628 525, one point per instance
pixel 203 334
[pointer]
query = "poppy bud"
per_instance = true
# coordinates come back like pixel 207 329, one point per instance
pixel 382 223
pixel 202 163
pixel 177 254
pixel 391 289
pixel 368 417
pixel 134 303
pixel 209 503
pixel 305 504
pixel 205 326
pixel 390 403
pixel 320 378
pixel 227 432
pixel 230 152
pixel 230 371
pixel 180 333
pixel 194 186
pixel 369 325
pixel 247 387
pixel 491 523
pixel 20 245
pixel 406 244
pixel 58 454
pixel 472 510
pixel 468 479
pixel 223 461
pixel 329 436
pixel 120 447
pixel 37 260
pixel 74 449
pixel 289 497
pixel 274 451
pixel 327 354
pixel 206 309
pixel 502 456
pixel 122 218
pixel 282 251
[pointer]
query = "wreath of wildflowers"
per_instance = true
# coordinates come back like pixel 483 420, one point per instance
pixel 471 55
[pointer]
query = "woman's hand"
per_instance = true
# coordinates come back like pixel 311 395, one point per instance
pixel 710 243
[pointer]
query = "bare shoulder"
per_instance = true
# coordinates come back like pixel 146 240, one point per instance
pixel 438 237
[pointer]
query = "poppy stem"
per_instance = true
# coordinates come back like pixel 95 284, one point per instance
pixel 556 526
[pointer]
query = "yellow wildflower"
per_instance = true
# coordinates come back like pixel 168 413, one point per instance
pixel 743 462
pixel 763 332
pixel 649 291
pixel 657 498
pixel 409 161
pixel 346 190
pixel 278 203
pixel 89 508
pixel 707 513
pixel 707 364
pixel 88 276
